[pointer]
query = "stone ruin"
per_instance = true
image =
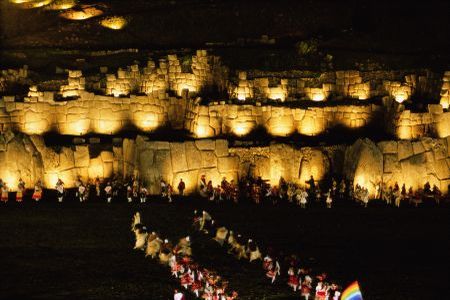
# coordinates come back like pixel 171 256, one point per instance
pixel 170 94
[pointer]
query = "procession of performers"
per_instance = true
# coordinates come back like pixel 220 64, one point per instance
pixel 276 266
pixel 255 190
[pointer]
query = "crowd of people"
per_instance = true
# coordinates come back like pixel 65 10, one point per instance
pixel 255 190
pixel 300 278
pixel 311 192
pixel 201 282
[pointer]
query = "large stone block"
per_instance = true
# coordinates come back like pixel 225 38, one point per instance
pixel 227 164
pixel 405 150
pixel 221 148
pixel 205 144
pixel 388 147
pixel 178 154
pixel 390 163
pixel 209 159
pixel 364 164
pixel 192 156
pixel 81 156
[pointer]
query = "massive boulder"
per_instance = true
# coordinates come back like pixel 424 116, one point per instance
pixel 19 158
pixel 364 164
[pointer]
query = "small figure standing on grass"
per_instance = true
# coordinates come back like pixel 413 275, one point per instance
pixel 143 194
pixel 37 194
pixel 108 191
pixel 4 188
pixel 181 187
pixel 20 190
pixel 60 190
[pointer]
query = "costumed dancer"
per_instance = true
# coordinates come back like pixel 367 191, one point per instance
pixel 293 280
pixel 306 287
pixel 60 190
pixel 143 194
pixel 274 271
pixel 20 190
pixel 329 199
pixel 169 192
pixel 37 194
pixel 5 192
pixel 82 192
pixel 108 191
pixel 97 187
pixel 129 193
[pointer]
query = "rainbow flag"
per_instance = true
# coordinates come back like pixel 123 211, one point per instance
pixel 352 292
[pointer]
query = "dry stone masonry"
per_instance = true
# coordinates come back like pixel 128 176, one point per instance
pixel 367 163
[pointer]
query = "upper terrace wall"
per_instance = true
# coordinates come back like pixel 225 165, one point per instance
pixel 109 115
pixel 188 77
pixel 216 119
pixel 91 113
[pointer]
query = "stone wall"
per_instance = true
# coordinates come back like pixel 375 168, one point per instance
pixel 404 162
pixel 411 125
pixel 293 86
pixel 216 119
pixel 204 71
pixel 365 162
pixel 90 113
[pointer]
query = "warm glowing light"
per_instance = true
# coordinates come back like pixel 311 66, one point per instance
pixel 147 121
pixel 364 182
pixel 400 97
pixel 24 4
pixel 318 97
pixel 241 96
pixel 445 102
pixel 115 22
pixel 38 127
pixel 95 168
pixel 10 179
pixel 242 128
pixel 185 86
pixel 86 12
pixel 404 132
pixel 79 127
pixel 443 127
pixel 61 5
pixel 281 126
pixel 201 131
pixel 107 127
pixel 308 127
pixel 50 179
pixel 277 93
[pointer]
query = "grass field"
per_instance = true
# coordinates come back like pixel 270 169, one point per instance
pixel 84 251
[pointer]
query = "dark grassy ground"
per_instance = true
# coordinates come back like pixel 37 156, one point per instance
pixel 72 250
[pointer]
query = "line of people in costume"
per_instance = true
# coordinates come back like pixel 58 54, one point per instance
pixel 258 191
pixel 300 278
pixel 20 191
pixel 201 282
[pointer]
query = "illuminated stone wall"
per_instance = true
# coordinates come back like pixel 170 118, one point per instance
pixel 294 86
pixel 412 163
pixel 216 119
pixel 204 71
pixel 365 162
pixel 411 125
pixel 90 113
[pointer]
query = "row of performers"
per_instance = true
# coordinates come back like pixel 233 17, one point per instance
pixel 300 279
pixel 258 189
